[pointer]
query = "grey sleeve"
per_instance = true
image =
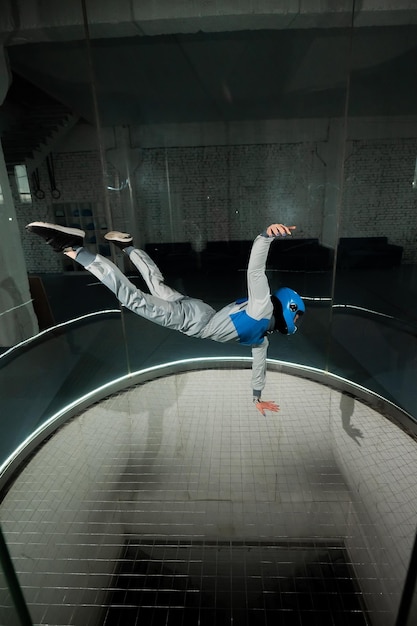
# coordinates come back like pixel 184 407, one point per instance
pixel 259 353
pixel 259 301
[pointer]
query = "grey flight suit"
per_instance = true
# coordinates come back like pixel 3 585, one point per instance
pixel 246 321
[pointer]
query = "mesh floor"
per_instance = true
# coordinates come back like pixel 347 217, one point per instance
pixel 172 496
pixel 241 583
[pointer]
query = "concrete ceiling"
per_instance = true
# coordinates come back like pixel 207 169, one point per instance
pixel 274 70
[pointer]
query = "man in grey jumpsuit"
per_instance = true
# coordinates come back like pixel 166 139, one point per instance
pixel 247 321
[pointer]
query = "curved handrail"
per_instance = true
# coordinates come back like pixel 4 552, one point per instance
pixel 38 425
pixel 380 404
pixel 14 350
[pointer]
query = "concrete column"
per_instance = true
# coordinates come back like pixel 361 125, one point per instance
pixel 17 317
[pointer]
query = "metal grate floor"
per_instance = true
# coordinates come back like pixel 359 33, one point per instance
pixel 198 583
pixel 171 496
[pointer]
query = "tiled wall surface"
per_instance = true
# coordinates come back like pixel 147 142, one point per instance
pixel 380 472
pixel 187 457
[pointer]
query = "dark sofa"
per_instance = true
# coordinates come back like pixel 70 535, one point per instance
pixel 217 256
pixel 225 256
pixel 173 257
pixel 299 254
pixel 367 252
pixel 220 256
pixel 284 254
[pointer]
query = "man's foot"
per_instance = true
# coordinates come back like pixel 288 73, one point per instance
pixel 121 240
pixel 60 238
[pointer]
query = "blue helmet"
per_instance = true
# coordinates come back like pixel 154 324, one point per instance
pixel 288 306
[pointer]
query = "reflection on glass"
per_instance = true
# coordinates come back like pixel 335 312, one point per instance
pixel 42 376
pixel 14 611
pixel 413 610
pixel 408 610
pixel 375 322
pixel 9 614
pixel 22 183
pixel 193 143
pixel 414 183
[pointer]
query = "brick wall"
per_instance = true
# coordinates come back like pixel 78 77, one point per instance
pixel 231 192
pixel 78 179
pixel 378 196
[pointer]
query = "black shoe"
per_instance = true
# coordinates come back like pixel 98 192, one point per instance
pixel 121 240
pixel 60 238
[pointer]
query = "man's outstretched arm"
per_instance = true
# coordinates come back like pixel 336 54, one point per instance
pixel 259 301
pixel 259 354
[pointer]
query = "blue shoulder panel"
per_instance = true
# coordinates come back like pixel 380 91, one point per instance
pixel 249 330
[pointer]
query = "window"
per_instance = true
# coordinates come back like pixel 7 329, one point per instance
pixel 22 183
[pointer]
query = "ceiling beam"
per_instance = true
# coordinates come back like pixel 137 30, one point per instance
pixel 30 21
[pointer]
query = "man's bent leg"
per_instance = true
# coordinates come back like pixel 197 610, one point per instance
pixel 109 274
pixel 146 266
pixel 152 275
pixel 186 315
pixel 70 242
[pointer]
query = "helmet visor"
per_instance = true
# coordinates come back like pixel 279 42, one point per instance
pixel 298 320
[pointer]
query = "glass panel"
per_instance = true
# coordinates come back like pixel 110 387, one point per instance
pixel 42 377
pixel 374 323
pixel 374 331
pixel 13 609
pixel 49 138
pixel 22 183
pixel 201 156
pixel 412 617
pixel 8 613
pixel 408 609
pixel 194 143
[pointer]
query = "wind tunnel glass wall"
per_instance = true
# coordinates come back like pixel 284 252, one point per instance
pixel 194 143
pixel 8 610
pixel 59 367
pixel 215 139
pixel 374 313
pixel 40 130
